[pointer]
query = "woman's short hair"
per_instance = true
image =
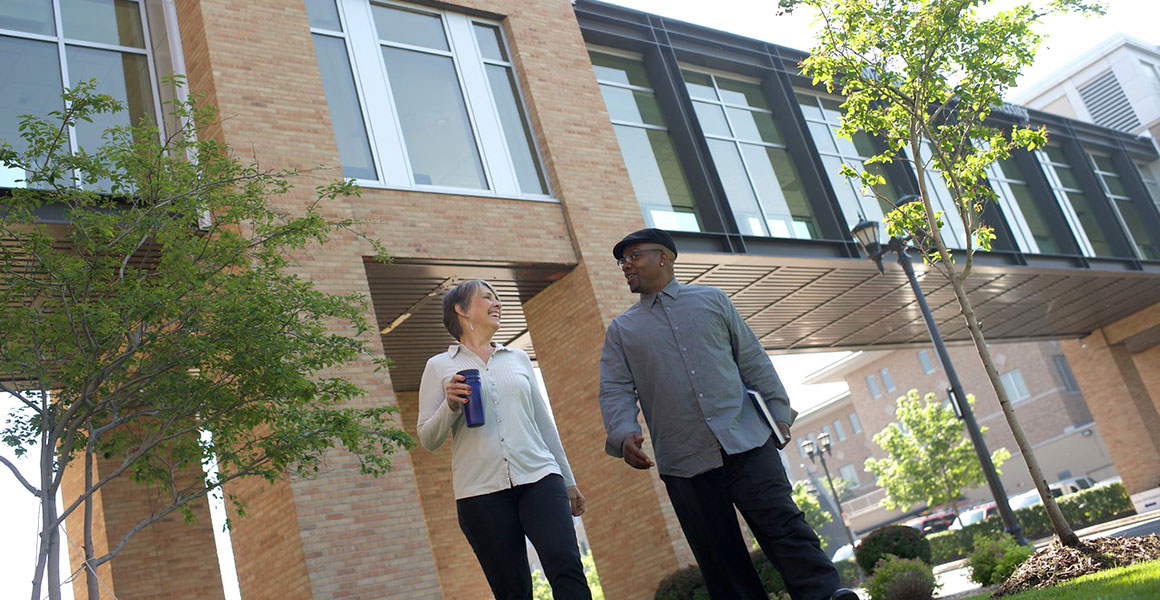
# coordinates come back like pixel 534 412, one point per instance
pixel 461 295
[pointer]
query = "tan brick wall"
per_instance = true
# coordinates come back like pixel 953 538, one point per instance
pixel 181 558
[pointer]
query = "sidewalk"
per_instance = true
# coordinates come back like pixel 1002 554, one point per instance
pixel 955 575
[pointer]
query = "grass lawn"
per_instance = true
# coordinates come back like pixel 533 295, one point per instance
pixel 1136 582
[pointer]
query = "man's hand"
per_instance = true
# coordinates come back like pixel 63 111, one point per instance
pixel 784 427
pixel 576 501
pixel 633 455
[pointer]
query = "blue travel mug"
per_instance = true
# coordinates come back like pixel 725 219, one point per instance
pixel 473 410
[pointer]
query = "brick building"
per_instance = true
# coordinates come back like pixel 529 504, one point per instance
pixel 1039 381
pixel 517 140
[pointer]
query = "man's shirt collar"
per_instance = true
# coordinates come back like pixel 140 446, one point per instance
pixel 672 290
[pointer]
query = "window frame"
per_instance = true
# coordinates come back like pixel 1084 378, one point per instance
pixel 1102 176
pixel 855 424
pixel 887 379
pixel 839 430
pixel 1016 393
pixel 62 42
pixel 855 483
pixel 383 126
pixel 872 383
pixel 924 360
pixel 738 143
pixel 1063 200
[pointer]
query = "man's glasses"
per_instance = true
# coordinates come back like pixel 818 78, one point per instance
pixel 635 255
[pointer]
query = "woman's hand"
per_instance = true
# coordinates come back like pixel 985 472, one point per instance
pixel 458 393
pixel 576 500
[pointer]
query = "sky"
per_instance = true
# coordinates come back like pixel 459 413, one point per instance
pixel 1067 37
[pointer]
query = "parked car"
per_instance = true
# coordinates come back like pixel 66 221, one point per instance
pixel 844 552
pixel 1028 498
pixel 975 515
pixel 1071 485
pixel 932 523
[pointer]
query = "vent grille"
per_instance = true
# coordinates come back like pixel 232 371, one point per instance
pixel 1108 105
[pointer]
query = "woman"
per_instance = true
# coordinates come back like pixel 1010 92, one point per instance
pixel 510 475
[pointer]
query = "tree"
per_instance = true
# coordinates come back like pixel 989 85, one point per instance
pixel 142 345
pixel 805 497
pixel 923 76
pixel 927 458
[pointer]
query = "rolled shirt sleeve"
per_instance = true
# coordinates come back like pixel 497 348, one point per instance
pixel 618 403
pixel 436 418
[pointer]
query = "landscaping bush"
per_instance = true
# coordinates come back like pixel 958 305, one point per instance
pixel 849 573
pixel 995 558
pixel 901 579
pixel 1081 509
pixel 770 578
pixel 682 584
pixel 899 540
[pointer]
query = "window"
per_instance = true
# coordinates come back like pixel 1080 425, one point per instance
pixel 1016 388
pixel 872 383
pixel 1125 206
pixel 1064 371
pixel 1027 220
pixel 1077 206
pixel 823 117
pixel 953 231
pixel 840 431
pixel 1151 181
pixel 855 424
pixel 850 474
pixel 761 183
pixel 653 166
pixel 887 380
pixel 425 99
pixel 53 43
pixel 925 362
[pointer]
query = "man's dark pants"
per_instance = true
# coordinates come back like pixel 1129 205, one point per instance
pixel 754 482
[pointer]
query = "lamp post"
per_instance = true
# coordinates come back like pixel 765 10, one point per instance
pixel 866 234
pixel 817 453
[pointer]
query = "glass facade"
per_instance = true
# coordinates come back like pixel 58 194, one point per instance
pixel 1077 206
pixel 761 183
pixel 1130 214
pixel 1025 216
pixel 649 154
pixel 823 117
pixel 954 233
pixel 103 40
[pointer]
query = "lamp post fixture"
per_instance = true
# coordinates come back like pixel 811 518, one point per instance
pixel 866 234
pixel 817 453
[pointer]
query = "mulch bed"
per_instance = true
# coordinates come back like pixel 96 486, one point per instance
pixel 1057 563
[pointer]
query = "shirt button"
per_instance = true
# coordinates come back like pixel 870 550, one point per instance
pixel 667 308
pixel 692 371
pixel 675 328
pixel 700 395
pixel 683 349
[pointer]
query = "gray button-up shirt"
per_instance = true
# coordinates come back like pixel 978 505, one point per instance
pixel 687 356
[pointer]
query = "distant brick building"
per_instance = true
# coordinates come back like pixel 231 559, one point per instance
pixel 1039 381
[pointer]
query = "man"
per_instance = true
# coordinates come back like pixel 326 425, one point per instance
pixel 686 356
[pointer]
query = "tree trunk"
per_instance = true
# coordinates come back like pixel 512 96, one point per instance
pixel 1062 529
pixel 91 582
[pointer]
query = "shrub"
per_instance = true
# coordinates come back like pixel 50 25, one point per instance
pixel 1009 562
pixel 990 552
pixel 849 573
pixel 899 540
pixel 770 578
pixel 682 584
pixel 901 579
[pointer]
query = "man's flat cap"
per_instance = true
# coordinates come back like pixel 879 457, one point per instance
pixel 656 236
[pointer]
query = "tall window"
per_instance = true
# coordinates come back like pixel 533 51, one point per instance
pixel 887 379
pixel 838 429
pixel 1013 383
pixel 423 98
pixel 823 117
pixel 48 44
pixel 657 178
pixel 761 183
pixel 850 474
pixel 872 383
pixel 855 424
pixel 1077 206
pixel 1125 206
pixel 1151 180
pixel 1025 216
pixel 1065 374
pixel 953 231
pixel 925 362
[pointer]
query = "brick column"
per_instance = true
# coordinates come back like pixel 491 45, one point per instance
pixel 1121 405
pixel 168 559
